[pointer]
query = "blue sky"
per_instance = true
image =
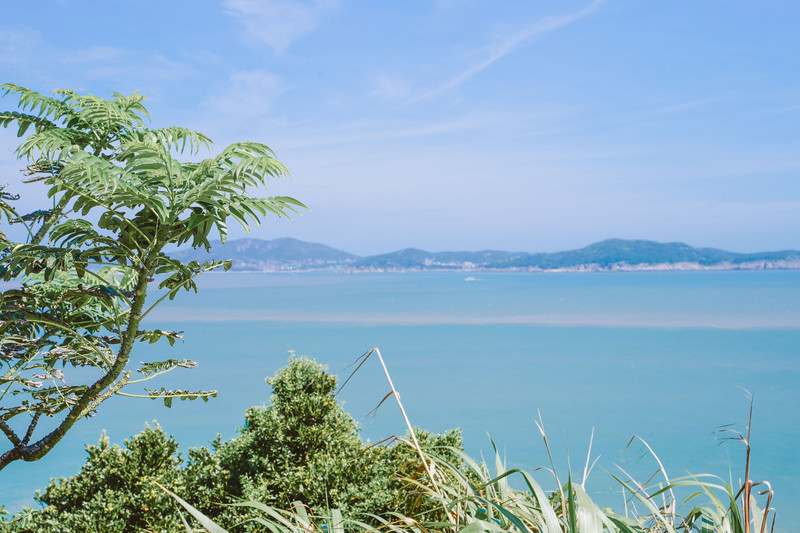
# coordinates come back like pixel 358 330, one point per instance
pixel 461 124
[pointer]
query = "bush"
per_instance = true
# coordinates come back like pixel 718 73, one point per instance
pixel 302 447
pixel 305 447
pixel 114 489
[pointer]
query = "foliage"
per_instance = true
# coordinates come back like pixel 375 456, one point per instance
pixel 303 446
pixel 113 491
pixel 477 501
pixel 300 444
pixel 359 487
pixel 68 327
pixel 721 508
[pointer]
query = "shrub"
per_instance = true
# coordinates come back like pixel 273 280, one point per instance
pixel 114 489
pixel 302 447
pixel 305 447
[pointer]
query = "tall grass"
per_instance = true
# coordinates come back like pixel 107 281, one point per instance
pixel 469 497
pixel 714 505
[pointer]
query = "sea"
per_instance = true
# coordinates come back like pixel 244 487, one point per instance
pixel 624 371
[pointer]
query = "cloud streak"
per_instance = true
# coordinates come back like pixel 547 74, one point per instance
pixel 278 23
pixel 500 49
pixel 29 54
pixel 247 94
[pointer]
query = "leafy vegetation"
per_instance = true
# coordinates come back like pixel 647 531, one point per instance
pixel 303 446
pixel 299 465
pixel 121 200
pixel 472 499
pixel 113 491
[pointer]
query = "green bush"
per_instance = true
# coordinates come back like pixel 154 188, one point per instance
pixel 305 447
pixel 302 447
pixel 114 489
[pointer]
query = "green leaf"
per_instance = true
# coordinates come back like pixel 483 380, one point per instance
pixel 206 522
pixel 160 367
pixel 85 283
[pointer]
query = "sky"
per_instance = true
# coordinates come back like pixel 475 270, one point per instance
pixel 459 124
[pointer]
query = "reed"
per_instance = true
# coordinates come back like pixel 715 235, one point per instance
pixel 470 497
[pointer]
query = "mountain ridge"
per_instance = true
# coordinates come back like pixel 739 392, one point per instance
pixel 293 255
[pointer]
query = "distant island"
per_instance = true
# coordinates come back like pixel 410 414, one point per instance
pixel 612 255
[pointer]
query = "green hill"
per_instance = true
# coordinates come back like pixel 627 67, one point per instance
pixel 612 254
pixel 275 254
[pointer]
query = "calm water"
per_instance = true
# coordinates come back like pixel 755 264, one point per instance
pixel 661 355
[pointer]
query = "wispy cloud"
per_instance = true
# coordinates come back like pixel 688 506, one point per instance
pixel 387 87
pixel 650 114
pixel 95 54
pixel 499 49
pixel 247 94
pixel 143 71
pixel 28 51
pixel 378 133
pixel 20 45
pixel 787 109
pixel 682 106
pixel 278 23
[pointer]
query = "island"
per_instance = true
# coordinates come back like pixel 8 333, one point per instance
pixel 612 255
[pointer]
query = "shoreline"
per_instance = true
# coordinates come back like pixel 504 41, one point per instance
pixel 590 267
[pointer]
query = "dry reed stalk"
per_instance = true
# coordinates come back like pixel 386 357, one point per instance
pixel 416 446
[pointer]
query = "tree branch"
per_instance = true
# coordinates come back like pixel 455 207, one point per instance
pixel 13 437
pixel 94 395
pixel 52 218
pixel 31 427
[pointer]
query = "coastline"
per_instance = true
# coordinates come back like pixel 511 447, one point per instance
pixel 279 267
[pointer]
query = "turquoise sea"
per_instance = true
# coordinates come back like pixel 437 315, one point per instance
pixel 661 355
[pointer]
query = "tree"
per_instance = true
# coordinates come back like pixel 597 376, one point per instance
pixel 69 325
pixel 305 447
